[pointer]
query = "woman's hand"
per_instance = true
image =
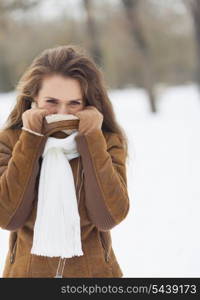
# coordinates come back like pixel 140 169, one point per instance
pixel 33 118
pixel 90 119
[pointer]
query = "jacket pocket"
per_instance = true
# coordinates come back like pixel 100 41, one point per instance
pixel 12 246
pixel 106 244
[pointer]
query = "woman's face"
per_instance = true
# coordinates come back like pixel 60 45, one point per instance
pixel 61 94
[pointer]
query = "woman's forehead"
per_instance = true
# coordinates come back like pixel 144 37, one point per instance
pixel 61 88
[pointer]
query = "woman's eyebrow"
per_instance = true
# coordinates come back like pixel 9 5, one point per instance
pixel 59 100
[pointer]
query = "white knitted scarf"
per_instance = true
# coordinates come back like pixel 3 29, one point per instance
pixel 57 226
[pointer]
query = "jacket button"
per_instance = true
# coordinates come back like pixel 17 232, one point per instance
pixel 11 258
pixel 107 258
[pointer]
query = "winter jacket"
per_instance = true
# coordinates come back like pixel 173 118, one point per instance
pixel 101 186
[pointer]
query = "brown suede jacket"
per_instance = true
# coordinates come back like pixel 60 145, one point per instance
pixel 101 185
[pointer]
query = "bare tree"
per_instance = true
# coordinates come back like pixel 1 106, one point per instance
pixel 132 12
pixel 92 30
pixel 194 8
pixel 7 7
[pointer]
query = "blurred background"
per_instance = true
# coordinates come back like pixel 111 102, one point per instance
pixel 149 53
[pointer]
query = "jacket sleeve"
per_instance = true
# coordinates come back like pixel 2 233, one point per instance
pixel 18 171
pixel 107 199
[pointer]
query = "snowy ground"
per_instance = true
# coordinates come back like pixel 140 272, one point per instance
pixel 159 237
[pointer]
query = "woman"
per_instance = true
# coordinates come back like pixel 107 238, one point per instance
pixel 62 81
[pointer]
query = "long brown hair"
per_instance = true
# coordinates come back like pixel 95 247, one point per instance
pixel 71 61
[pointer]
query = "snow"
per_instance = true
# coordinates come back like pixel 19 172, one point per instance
pixel 158 238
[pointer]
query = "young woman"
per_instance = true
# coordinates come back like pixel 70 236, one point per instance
pixel 62 127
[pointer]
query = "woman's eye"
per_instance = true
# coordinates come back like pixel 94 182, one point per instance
pixel 51 101
pixel 75 103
